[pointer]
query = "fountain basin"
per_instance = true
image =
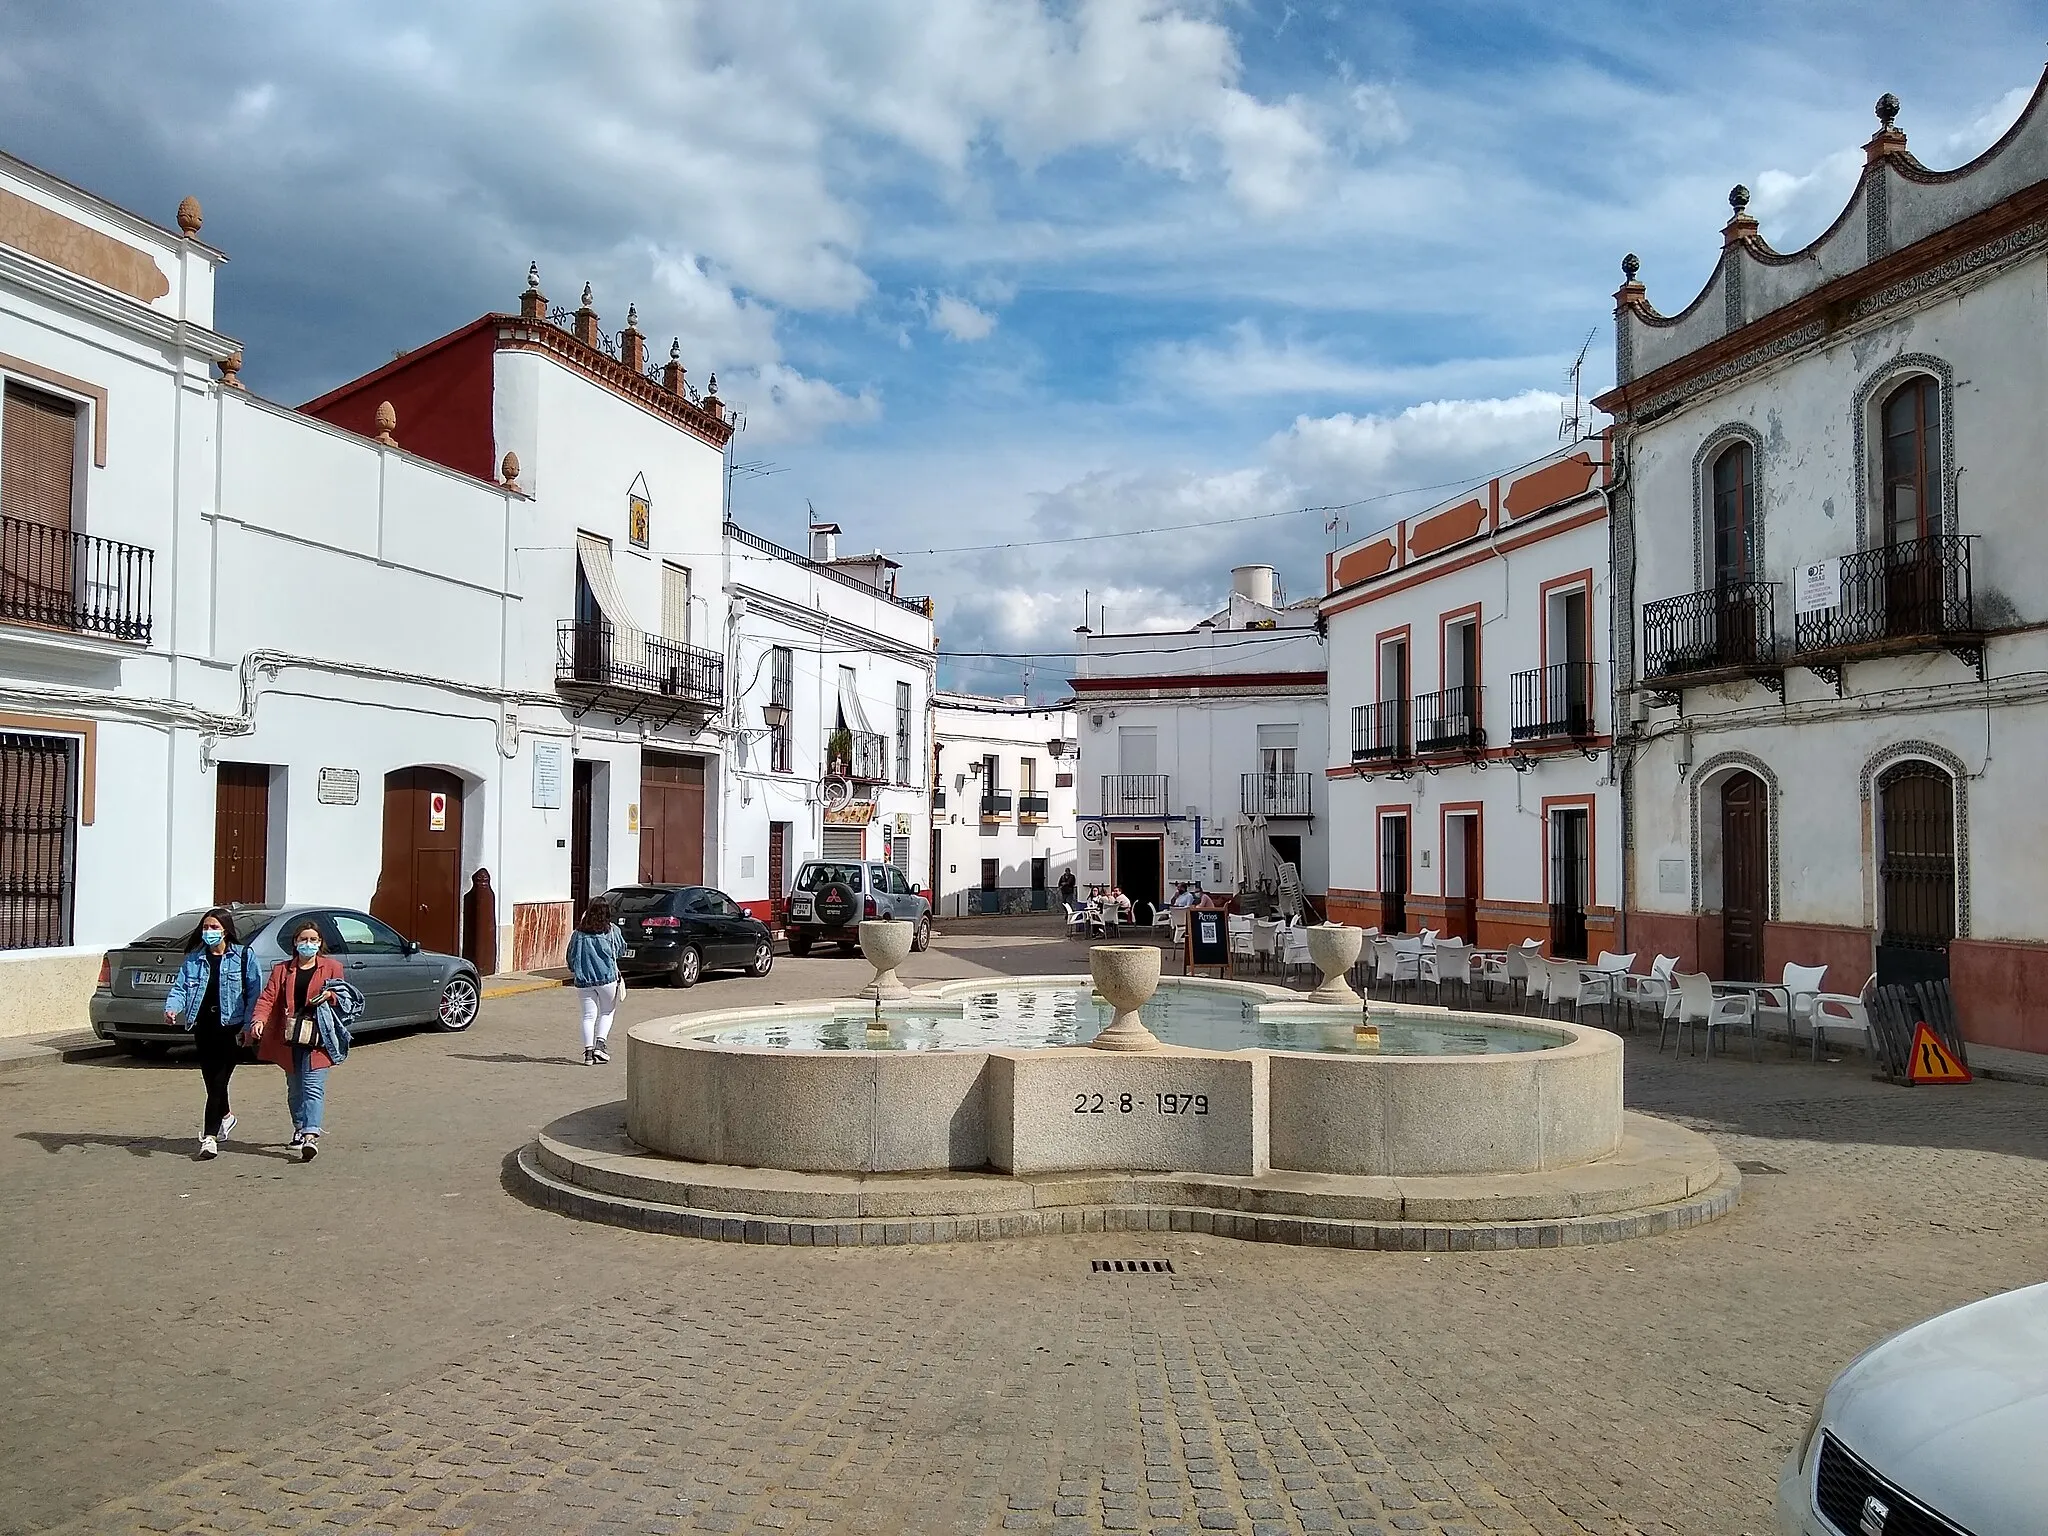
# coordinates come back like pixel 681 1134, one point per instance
pixel 723 1089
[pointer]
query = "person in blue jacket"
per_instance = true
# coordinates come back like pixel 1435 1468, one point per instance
pixel 211 1000
pixel 594 950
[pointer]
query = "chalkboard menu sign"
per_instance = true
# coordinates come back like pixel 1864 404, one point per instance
pixel 1208 939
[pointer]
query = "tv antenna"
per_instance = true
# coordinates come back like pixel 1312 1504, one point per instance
pixel 1568 429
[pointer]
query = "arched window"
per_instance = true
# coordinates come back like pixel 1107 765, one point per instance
pixel 1734 516
pixel 1912 461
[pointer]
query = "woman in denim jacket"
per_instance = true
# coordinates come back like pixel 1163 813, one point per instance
pixel 211 1000
pixel 594 950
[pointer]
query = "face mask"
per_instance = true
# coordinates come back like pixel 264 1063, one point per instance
pixel 212 938
pixel 307 949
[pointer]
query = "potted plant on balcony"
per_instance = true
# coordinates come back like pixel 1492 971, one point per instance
pixel 839 752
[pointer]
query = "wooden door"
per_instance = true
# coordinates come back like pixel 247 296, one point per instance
pixel 1918 871
pixel 241 833
pixel 37 470
pixel 580 836
pixel 671 819
pixel 1461 914
pixel 1745 876
pixel 1570 880
pixel 1393 874
pixel 778 872
pixel 419 891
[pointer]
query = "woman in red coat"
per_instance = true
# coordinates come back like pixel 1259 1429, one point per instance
pixel 296 989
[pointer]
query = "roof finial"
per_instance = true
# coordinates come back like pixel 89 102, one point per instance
pixel 1738 197
pixel 508 471
pixel 1889 138
pixel 533 304
pixel 190 218
pixel 1631 264
pixel 1887 109
pixel 387 424
pixel 1740 225
pixel 533 277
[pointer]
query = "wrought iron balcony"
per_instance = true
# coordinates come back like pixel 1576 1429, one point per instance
pixel 65 580
pixel 1134 794
pixel 995 805
pixel 636 675
pixel 1034 809
pixel 1379 732
pixel 862 755
pixel 1449 721
pixel 1276 794
pixel 1727 631
pixel 1553 703
pixel 1898 597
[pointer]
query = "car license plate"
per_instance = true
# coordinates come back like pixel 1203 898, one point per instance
pixel 630 953
pixel 152 978
pixel 800 908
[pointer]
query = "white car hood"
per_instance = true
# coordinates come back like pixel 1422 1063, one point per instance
pixel 1954 1411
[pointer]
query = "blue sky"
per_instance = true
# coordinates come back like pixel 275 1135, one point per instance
pixel 998 271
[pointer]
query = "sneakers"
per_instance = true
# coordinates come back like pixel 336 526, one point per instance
pixel 599 1054
pixel 309 1149
pixel 589 1056
pixel 208 1147
pixel 298 1140
pixel 227 1123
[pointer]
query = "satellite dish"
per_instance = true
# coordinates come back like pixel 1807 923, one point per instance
pixel 838 792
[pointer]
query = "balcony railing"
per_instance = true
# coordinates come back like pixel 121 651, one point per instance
pixel 1553 702
pixel 66 580
pixel 1134 794
pixel 1276 794
pixel 995 805
pixel 1449 721
pixel 1379 732
pixel 1729 628
pixel 592 656
pixel 1918 590
pixel 860 755
pixel 1034 808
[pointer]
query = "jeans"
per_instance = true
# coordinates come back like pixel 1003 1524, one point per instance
pixel 218 1053
pixel 599 1004
pixel 305 1090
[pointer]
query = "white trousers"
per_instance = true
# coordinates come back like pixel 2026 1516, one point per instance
pixel 599 1004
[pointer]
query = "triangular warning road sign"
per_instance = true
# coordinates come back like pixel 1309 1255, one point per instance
pixel 1930 1061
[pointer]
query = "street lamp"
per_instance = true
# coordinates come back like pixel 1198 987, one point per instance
pixel 775 716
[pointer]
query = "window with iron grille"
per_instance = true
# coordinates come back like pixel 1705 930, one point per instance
pixel 903 733
pixel 781 689
pixel 38 839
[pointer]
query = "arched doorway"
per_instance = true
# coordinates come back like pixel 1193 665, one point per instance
pixel 1917 872
pixel 1745 875
pixel 419 891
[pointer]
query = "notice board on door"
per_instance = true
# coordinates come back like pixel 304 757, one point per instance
pixel 1208 941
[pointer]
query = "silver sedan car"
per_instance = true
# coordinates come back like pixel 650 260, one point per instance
pixel 401 983
pixel 1941 1430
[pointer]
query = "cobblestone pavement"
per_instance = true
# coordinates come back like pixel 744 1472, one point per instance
pixel 387 1341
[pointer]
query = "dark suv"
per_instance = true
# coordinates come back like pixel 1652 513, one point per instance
pixel 682 931
pixel 833 897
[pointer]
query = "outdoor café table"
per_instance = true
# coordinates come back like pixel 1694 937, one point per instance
pixel 1755 989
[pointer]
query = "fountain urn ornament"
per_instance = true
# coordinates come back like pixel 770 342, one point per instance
pixel 1126 975
pixel 1334 948
pixel 886 944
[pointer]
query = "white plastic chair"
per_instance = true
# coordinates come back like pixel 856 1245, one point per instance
pixel 1077 920
pixel 1698 1006
pixel 1240 943
pixel 1398 960
pixel 1794 996
pixel 1843 1014
pixel 1514 970
pixel 1450 961
pixel 1293 948
pixel 1177 923
pixel 1654 989
pixel 1266 939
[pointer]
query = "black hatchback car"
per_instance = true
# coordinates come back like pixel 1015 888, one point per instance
pixel 682 931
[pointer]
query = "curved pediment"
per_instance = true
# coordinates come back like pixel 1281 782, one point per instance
pixel 1898 203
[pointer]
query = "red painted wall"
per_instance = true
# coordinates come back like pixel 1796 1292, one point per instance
pixel 2001 992
pixel 1850 954
pixel 442 394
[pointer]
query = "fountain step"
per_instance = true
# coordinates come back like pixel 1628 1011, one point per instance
pixel 1664 1177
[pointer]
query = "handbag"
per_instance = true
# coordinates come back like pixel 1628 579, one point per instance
pixel 302 1031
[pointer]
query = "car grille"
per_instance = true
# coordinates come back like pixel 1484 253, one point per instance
pixel 1842 1484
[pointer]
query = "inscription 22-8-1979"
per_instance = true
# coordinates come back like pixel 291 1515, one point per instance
pixel 1134 1103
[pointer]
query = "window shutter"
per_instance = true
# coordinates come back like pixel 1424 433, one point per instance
pixel 36 450
pixel 675 604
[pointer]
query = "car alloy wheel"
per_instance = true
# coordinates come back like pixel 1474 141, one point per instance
pixel 764 959
pixel 921 940
pixel 459 999
pixel 689 966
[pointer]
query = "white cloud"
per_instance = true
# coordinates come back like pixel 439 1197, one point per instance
pixel 782 404
pixel 1248 364
pixel 1794 208
pixel 1344 458
pixel 959 319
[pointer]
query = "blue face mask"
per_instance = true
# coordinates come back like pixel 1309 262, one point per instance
pixel 307 949
pixel 212 938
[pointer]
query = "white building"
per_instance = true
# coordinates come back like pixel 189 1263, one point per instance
pixel 1003 805
pixel 465 615
pixel 1469 789
pixel 1829 578
pixel 831 686
pixel 1202 749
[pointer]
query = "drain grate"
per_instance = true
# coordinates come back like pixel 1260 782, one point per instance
pixel 1130 1266
pixel 1756 1167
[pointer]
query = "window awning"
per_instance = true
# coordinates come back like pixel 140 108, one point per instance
pixel 596 557
pixel 849 704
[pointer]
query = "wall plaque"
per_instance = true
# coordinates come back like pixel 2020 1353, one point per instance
pixel 547 775
pixel 338 786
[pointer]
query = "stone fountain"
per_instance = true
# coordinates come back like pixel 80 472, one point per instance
pixel 1126 975
pixel 886 944
pixel 1334 948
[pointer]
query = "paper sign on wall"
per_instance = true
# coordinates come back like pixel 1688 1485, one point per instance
pixel 1819 587
pixel 338 786
pixel 547 775
pixel 437 812
pixel 632 818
